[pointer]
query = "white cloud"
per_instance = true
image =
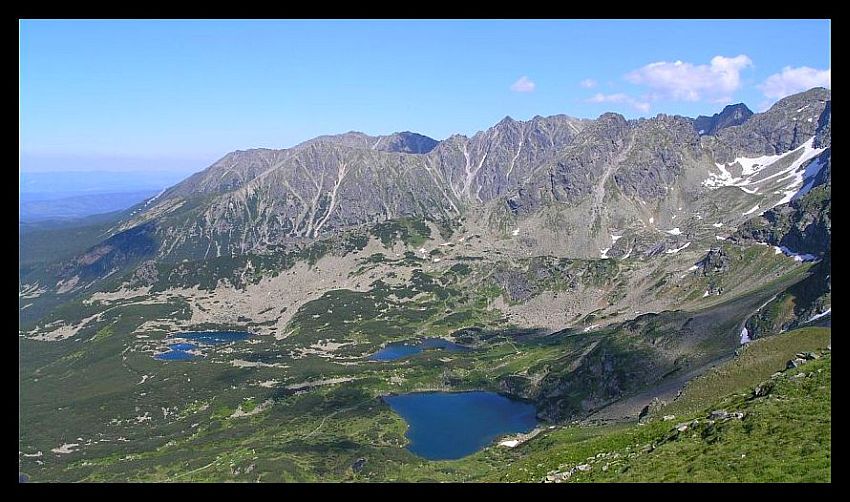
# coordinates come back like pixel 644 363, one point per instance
pixel 524 84
pixel 588 83
pixel 792 80
pixel 637 104
pixel 690 82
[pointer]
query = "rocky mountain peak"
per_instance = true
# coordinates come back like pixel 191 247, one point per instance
pixel 789 123
pixel 731 115
pixel 399 142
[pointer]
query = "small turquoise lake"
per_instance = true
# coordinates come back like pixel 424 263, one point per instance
pixel 451 425
pixel 399 350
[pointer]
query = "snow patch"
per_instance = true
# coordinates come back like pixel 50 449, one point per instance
pixel 810 174
pixel 675 231
pixel 752 167
pixel 753 210
pixel 674 251
pixel 818 316
pixel 66 448
pixel 693 268
pixel 615 238
pixel 719 238
pixel 797 256
pixel 515 232
pixel 745 336
pixel 717 225
pixel 603 253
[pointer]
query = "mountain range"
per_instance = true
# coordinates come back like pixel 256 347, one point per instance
pixel 591 266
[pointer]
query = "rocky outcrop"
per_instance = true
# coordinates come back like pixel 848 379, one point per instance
pixel 784 127
pixel 716 261
pixel 732 115
pixel 802 226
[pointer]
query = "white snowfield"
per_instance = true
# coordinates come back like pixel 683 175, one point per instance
pixel 818 316
pixel 674 251
pixel 753 210
pixel 674 231
pixel 796 256
pixel 603 253
pixel 745 336
pixel 753 177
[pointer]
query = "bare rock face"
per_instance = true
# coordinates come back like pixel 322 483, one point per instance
pixel 715 262
pixel 732 115
pixel 804 225
pixel 620 171
pixel 782 128
pixel 400 142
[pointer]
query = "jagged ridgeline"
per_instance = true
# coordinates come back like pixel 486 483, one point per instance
pixel 588 267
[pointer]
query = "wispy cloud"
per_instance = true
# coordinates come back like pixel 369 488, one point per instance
pixel 588 83
pixel 792 80
pixel 689 82
pixel 637 104
pixel 524 84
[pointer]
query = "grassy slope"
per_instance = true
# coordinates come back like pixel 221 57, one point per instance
pixel 756 362
pixel 96 388
pixel 785 436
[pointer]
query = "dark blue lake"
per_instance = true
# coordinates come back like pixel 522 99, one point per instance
pixel 400 350
pixel 177 352
pixel 450 425
pixel 214 337
pixel 183 346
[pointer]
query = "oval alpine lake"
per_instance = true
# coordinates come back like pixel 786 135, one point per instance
pixel 451 425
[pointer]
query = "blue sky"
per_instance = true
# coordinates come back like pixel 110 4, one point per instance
pixel 180 94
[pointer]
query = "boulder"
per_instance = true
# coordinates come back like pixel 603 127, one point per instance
pixel 718 415
pixel 358 464
pixel 794 363
pixel 763 389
